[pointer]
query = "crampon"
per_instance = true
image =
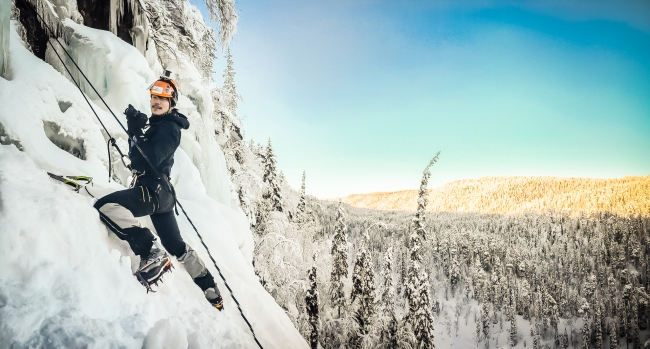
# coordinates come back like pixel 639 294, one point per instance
pixel 154 281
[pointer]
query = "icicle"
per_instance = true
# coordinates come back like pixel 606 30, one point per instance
pixel 5 14
pixel 116 12
pixel 140 28
pixel 48 16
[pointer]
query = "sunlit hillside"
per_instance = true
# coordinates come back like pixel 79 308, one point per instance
pixel 507 195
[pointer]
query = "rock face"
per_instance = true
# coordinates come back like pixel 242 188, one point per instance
pixel 126 19
pixel 96 13
pixel 37 34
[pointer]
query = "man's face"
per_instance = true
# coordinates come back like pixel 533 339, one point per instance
pixel 159 105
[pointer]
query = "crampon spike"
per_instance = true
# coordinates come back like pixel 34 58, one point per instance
pixel 154 282
pixel 144 283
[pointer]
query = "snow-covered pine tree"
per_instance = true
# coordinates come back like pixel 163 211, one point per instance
pixel 589 287
pixel 478 276
pixel 623 313
pixel 564 340
pixel 419 313
pixel 363 292
pixel 312 304
pixel 551 310
pixel 513 322
pixel 302 203
pixel 417 286
pixel 423 328
pixel 229 87
pixel 392 333
pixel 485 319
pixel 613 334
pixel 178 33
pixel 339 260
pixel 644 309
pixel 223 12
pixel 598 329
pixel 454 268
pixel 271 177
pixel 525 299
pixel 584 310
pixel 387 287
pixel 269 163
pixel 479 327
pixel 388 335
pixel 631 297
pixel 536 337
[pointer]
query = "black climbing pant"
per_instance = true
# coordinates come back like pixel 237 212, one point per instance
pixel 118 211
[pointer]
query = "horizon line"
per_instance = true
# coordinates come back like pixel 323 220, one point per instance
pixel 337 198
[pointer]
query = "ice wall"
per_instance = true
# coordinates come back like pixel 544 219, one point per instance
pixel 121 75
pixel 65 280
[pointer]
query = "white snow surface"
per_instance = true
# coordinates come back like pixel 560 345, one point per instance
pixel 65 280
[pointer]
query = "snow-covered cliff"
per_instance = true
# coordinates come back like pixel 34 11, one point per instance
pixel 65 281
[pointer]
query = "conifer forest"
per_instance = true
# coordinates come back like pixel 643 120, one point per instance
pixel 360 278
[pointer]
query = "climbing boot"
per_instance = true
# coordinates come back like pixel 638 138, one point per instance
pixel 212 295
pixel 153 266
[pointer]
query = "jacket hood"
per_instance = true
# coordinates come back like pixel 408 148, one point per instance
pixel 172 115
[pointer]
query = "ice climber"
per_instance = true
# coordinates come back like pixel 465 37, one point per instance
pixel 151 196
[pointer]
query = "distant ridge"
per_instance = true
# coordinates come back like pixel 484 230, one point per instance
pixel 512 195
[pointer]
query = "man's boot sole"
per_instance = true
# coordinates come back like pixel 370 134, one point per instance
pixel 154 280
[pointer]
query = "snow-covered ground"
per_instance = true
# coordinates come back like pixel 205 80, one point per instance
pixel 455 326
pixel 65 281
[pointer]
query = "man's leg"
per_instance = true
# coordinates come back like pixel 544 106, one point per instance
pixel 167 229
pixel 118 211
pixel 170 236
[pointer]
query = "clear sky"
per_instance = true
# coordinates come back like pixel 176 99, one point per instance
pixel 361 94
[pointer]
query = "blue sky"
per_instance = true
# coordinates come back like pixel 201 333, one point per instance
pixel 361 94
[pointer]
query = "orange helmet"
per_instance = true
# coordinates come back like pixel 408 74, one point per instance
pixel 165 87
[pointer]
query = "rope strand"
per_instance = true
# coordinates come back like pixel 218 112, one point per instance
pixel 110 161
pixel 110 138
pixel 220 274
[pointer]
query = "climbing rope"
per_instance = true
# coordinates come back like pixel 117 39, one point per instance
pixel 111 141
pixel 221 275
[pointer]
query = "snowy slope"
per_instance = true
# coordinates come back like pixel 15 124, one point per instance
pixel 516 195
pixel 65 281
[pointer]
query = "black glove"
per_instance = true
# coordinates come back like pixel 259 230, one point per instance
pixel 135 120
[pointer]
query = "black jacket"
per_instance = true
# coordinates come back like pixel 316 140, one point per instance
pixel 158 142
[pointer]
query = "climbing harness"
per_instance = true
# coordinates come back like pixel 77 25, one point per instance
pixel 111 141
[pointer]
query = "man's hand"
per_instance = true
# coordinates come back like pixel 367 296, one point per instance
pixel 135 120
